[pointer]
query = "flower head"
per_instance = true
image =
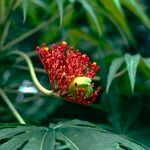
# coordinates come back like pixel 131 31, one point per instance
pixel 70 72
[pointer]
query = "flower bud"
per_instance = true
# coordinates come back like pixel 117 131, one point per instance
pixel 81 86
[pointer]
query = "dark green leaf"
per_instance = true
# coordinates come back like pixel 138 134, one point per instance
pixel 115 65
pixel 11 125
pixel 119 17
pixel 89 9
pixel 147 62
pixel 132 63
pixel 35 141
pixel 80 123
pixel 48 141
pixel 117 3
pixel 72 1
pixel 60 7
pixel 116 23
pixel 135 7
pixel 72 135
pixel 40 3
pixel 25 8
pixel 132 116
pixel 105 140
pixel 7 133
pixel 17 141
pixel 142 135
pixel 71 145
pixel 2 10
pixel 79 33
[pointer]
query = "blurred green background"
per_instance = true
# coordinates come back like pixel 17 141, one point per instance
pixel 103 29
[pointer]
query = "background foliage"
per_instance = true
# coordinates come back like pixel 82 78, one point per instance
pixel 115 34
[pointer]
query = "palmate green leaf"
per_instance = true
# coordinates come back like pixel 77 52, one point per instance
pixel 115 65
pixel 17 141
pixel 80 135
pixel 35 140
pixel 97 140
pixel 72 135
pixel 60 8
pixel 147 62
pixel 80 123
pixel 48 141
pixel 63 137
pixel 132 63
pixel 90 11
pixel 16 137
pixel 7 133
pixel 10 125
pixel 135 8
pixel 25 8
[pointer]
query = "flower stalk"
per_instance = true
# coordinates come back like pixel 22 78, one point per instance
pixel 32 72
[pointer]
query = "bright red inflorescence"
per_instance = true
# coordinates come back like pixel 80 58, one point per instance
pixel 63 63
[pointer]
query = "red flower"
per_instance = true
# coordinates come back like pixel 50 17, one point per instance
pixel 70 72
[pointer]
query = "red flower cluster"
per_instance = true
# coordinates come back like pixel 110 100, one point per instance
pixel 64 64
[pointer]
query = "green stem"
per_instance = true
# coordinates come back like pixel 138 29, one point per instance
pixel 30 54
pixel 11 107
pixel 32 72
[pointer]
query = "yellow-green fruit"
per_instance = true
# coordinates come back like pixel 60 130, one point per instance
pixel 81 83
